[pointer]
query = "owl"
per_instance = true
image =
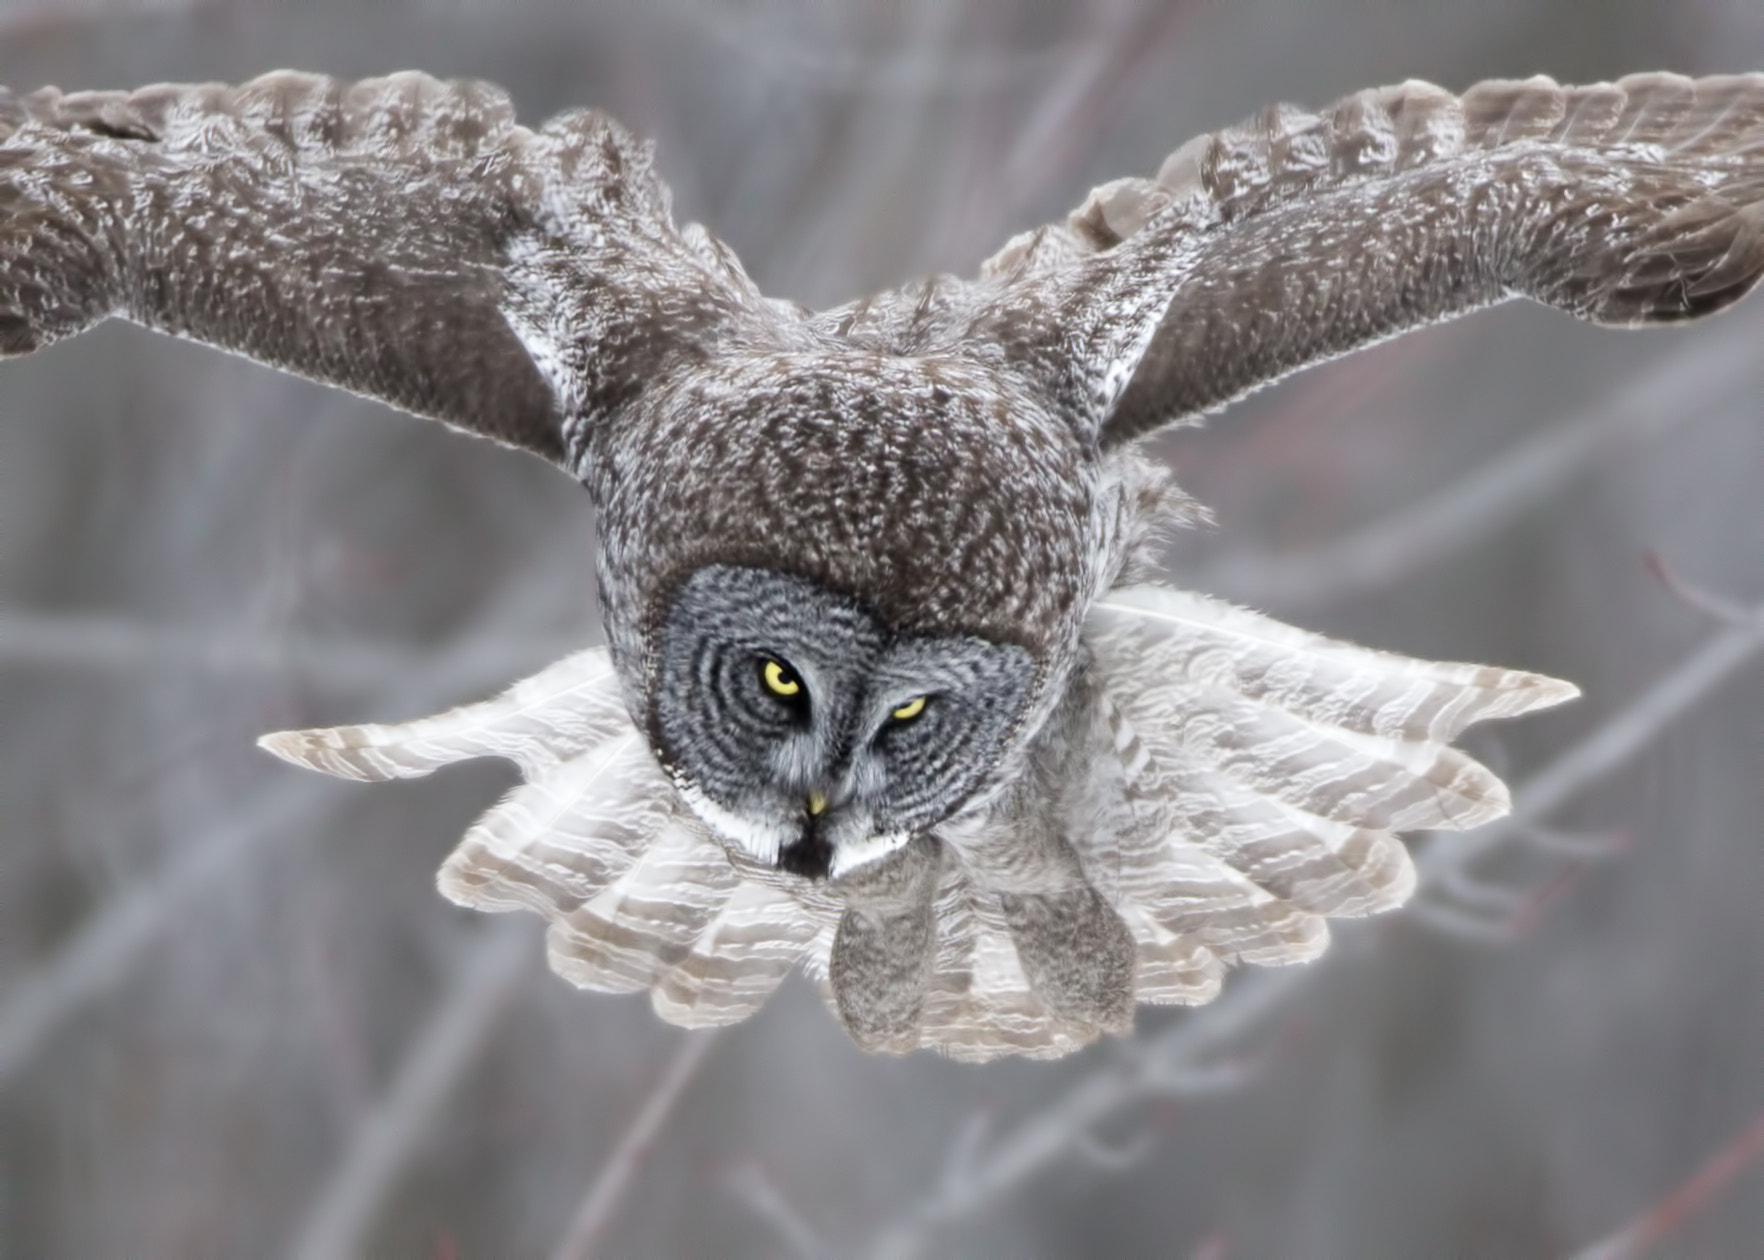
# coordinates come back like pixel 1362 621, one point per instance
pixel 887 693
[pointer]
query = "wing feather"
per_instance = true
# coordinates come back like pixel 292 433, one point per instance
pixel 1240 782
pixel 400 237
pixel 1266 770
pixel 761 934
pixel 557 841
pixel 648 919
pixel 1322 680
pixel 1636 202
pixel 1299 235
pixel 565 710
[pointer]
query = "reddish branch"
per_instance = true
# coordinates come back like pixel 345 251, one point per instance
pixel 608 1189
pixel 1684 1202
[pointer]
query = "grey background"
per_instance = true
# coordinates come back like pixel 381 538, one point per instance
pixel 235 1017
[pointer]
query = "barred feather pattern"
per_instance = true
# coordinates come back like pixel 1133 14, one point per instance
pixel 1193 786
pixel 1298 235
pixel 1248 781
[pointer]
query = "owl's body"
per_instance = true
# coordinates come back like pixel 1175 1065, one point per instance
pixel 945 495
pixel 927 501
pixel 885 694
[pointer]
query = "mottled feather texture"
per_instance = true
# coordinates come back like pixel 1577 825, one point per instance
pixel 885 696
pixel 397 237
pixel 1210 847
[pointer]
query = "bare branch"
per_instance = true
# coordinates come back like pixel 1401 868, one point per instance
pixel 1119 1157
pixel 758 1191
pixel 1705 602
pixel 1461 923
pixel 61 641
pixel 1465 890
pixel 1050 1136
pixel 447 1044
pixel 1576 844
pixel 18 17
pixel 1607 748
pixel 608 1189
pixel 103 953
pixel 105 950
pixel 1641 1237
pixel 964 1152
pixel 1678 388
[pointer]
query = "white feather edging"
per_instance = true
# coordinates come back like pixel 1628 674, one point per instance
pixel 1248 779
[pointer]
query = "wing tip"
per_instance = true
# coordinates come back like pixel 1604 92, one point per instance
pixel 1545 692
pixel 364 754
pixel 328 750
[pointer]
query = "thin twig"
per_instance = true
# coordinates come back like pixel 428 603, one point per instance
pixel 760 1193
pixel 1051 1135
pixel 384 1142
pixel 1640 1237
pixel 1681 387
pixel 1705 602
pixel 1608 747
pixel 609 1185
pixel 448 1043
pixel 64 641
pixel 115 938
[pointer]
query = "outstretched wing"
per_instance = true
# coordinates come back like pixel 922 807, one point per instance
pixel 1296 236
pixel 1268 771
pixel 400 237
pixel 636 894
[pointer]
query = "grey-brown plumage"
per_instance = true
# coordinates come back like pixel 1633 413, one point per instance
pixel 883 696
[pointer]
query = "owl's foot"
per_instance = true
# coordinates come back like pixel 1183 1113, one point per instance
pixel 884 948
pixel 1077 954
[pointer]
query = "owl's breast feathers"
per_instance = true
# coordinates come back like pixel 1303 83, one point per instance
pixel 944 495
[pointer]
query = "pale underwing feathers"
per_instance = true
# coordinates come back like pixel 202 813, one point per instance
pixel 1253 777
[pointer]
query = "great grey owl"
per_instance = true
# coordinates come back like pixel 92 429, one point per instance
pixel 886 694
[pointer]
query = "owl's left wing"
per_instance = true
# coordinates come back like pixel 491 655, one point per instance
pixel 1294 237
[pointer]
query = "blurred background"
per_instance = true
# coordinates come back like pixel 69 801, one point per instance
pixel 236 1019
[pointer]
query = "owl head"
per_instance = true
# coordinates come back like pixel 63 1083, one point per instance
pixel 858 579
pixel 802 726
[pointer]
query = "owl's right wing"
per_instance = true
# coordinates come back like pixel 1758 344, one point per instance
pixel 1266 773
pixel 1295 237
pixel 402 238
pixel 635 894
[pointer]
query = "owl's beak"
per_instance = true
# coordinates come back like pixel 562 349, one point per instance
pixel 817 804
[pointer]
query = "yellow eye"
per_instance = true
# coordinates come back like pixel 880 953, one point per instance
pixel 779 679
pixel 910 710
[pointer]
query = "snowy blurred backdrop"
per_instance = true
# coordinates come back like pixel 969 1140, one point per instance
pixel 236 1019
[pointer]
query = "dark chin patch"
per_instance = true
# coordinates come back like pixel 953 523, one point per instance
pixel 810 855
